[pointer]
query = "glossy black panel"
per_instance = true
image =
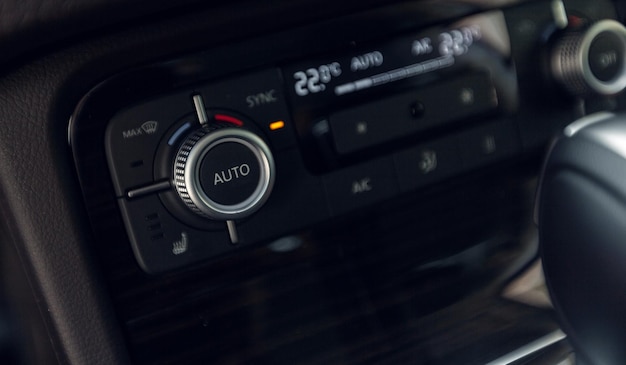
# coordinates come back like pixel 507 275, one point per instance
pixel 328 271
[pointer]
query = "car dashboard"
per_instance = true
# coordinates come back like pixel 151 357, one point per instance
pixel 287 182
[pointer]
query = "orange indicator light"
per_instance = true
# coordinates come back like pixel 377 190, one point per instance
pixel 277 125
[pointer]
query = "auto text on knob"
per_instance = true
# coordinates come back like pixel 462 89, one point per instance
pixel 235 172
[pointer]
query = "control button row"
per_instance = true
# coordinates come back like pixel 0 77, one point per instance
pixel 391 118
pixel 374 181
pixel 162 243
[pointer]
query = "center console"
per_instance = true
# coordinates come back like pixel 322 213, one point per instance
pixel 403 137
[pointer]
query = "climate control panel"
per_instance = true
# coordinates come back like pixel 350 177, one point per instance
pixel 203 163
pixel 190 168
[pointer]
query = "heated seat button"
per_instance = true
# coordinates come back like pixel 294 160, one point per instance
pixel 161 242
pixel 427 163
pixel 229 173
pixel 361 185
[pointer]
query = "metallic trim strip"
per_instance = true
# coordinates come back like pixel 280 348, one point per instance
pixel 232 232
pixel 198 103
pixel 530 348
pixel 584 122
pixel 560 14
pixel 147 190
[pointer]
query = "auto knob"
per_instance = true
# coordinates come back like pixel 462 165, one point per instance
pixel 591 60
pixel 223 173
pixel 581 214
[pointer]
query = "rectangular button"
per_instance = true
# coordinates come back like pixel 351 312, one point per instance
pixel 161 243
pixel 133 136
pixel 297 201
pixel 489 143
pixel 427 163
pixel 361 185
pixel 259 95
pixel 385 120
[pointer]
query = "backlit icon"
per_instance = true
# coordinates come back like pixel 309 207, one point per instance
pixel 428 161
pixel 150 127
pixel 361 128
pixel 489 145
pixel 467 96
pixel 179 247
pixel 361 186
pixel 607 59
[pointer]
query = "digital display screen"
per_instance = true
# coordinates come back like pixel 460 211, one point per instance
pixel 404 58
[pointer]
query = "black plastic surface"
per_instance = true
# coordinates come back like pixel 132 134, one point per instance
pixel 131 140
pixel 489 143
pixel 451 91
pixel 361 185
pixel 159 240
pixel 581 220
pixel 64 258
pixel 427 163
pixel 43 216
pixel 385 120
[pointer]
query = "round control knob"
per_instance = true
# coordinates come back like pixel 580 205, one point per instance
pixel 593 60
pixel 223 173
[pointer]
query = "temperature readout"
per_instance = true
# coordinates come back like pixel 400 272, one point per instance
pixel 400 59
pixel 314 80
pixel 458 41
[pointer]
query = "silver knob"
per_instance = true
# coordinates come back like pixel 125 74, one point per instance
pixel 223 173
pixel 592 61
